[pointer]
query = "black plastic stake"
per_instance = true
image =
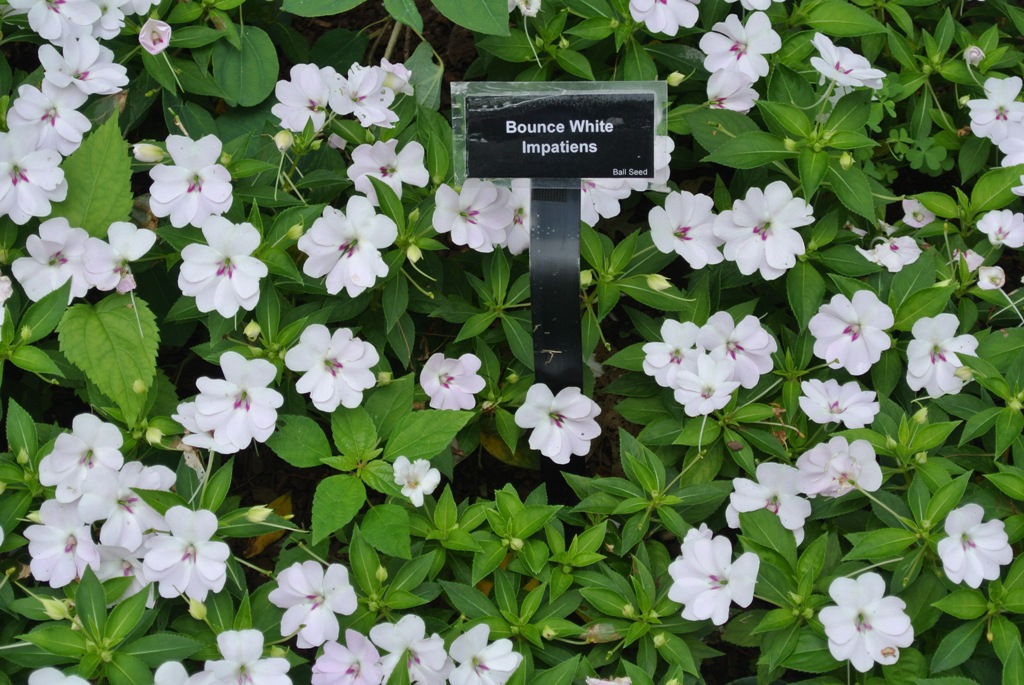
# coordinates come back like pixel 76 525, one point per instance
pixel 555 297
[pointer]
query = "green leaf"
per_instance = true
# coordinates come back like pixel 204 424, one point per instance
pixel 562 674
pixel 765 528
pixel 881 544
pixel 470 601
pixel 790 118
pixel 1002 348
pixel 299 441
pixel 852 188
pixel 751 150
pixel 805 289
pixel 850 113
pixel 354 434
pixel 104 340
pixel 957 646
pixel 426 77
pixel 336 502
pixel 1009 424
pixel 923 303
pixel 386 527
pixel 1010 481
pixel 42 317
pixel 125 669
pixel 575 63
pixel 125 616
pixel 34 360
pixel 57 640
pixel 939 204
pixel 637 65
pixel 964 604
pixel 812 167
pixel 1013 668
pixel 994 190
pixel 90 604
pixel 390 403
pixel 842 20
pixel 405 12
pixel 98 175
pixel 319 8
pixel 389 203
pixel 485 16
pixel 425 434
pixel 248 76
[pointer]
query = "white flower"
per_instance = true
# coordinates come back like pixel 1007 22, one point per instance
pixel 196 187
pixel 706 385
pixel 706 581
pixel 398 75
pixel 973 551
pixel 892 253
pixel 916 214
pixel 30 178
pixel 665 16
pixel 52 113
pixel 196 436
pixel 563 424
pixel 761 5
pixel 664 359
pixel 1013 146
pixel 844 66
pixel 970 257
pixel 111 497
pixel 58 21
pixel 61 545
pixel 749 346
pixel 759 231
pixel 994 116
pixel 118 562
pixel 51 676
pixel 336 367
pixel 835 467
pixel 106 264
pixel 223 276
pixel 481 663
pixel 991 278
pixel 775 490
pixel 732 45
pixel 931 355
pixel 731 89
pixel 312 597
pixel 381 161
pixel 240 408
pixel 851 334
pixel 517 233
pixel 416 479
pixel 828 402
pixel 304 97
pixel 92 445
pixel 865 626
pixel 364 94
pixel 686 226
pixel 1003 227
pixel 147 153
pixel 111 19
pixel 475 217
pixel 345 247
pixel 185 561
pixel 84 64
pixel 243 663
pixel 55 256
pixel 600 198
pixel 452 383
pixel 529 8
pixel 427 661
pixel 171 673
pixel 155 36
pixel 357 663
pixel 973 55
pixel 139 7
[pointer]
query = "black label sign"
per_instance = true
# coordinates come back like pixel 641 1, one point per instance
pixel 540 135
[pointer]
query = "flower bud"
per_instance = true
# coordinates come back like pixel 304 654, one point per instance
pixel 920 416
pixel 381 574
pixel 512 378
pixel 846 160
pixel 413 253
pixel 224 159
pixel 22 459
pixel 964 99
pixel 921 457
pixel 336 141
pixel 563 43
pixel 252 331
pixel 660 640
pixel 278 652
pixel 384 378
pixel 296 231
pixel 965 374
pixel 154 435
pixel 548 633
pixel 147 153
pixel 197 609
pixel 973 55
pixel 891 443
pixel 258 514
pixel 55 608
pixel 789 144
pixel 516 544
pixel 658 282
pixel 25 332
pixel 283 139
pixel 154 36
pixel 628 611
pixel 675 78
pixel 586 278
pixel 138 387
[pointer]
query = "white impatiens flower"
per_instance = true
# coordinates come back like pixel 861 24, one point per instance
pixel 195 187
pixel 398 75
pixel 240 408
pixel 223 276
pixel 55 257
pixel 196 436
pixel 729 89
pixel 51 676
pixel 775 490
pixel 407 644
pixel 481 663
pixel 304 97
pixel 994 116
pixel 154 36
pixel 106 263
pixel 355 663
pixel 991 278
pixel 749 346
pixel 599 197
pixel 732 45
pixel 30 178
pixel 664 359
pixel 916 214
pixel 52 114
pixel 892 253
pixel 312 596
pixel 336 367
pixel 836 467
pixel 476 216
pixel 345 246
pixel 452 383
pixel 416 479
pixel 705 579
pixel 563 424
pixel 1003 227
pixel 972 259
pixel 973 551
pixel 843 65
pixel 186 561
pixel 58 22
pixel 686 226
pixel 761 5
pixel 1013 146
pixel 760 230
pixel 383 162
pixel 665 16
pixel 61 545
pixel 851 334
pixel 243 662
pixel 517 233
pixel 364 94
pixel 932 355
pixel 828 402
pixel 84 64
pixel 111 499
pixel 865 626
pixel 705 385
pixel 91 446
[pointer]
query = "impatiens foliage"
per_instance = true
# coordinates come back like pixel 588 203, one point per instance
pixel 269 399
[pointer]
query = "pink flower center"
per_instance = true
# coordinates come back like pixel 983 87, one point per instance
pixel 718 583
pixel 772 505
pixel 557 419
pixel 937 354
pixel 54 5
pixel 243 401
pixel 348 249
pixel 1001 114
pixel 333 366
pixel 839 67
pixel 80 75
pixel 853 330
pixel 470 215
pixel 190 554
pixel 862 624
pixel 57 259
pixel 683 233
pixel 386 171
pixel 966 542
pixel 763 231
pixel 226 268
pixel 195 185
pixel 70 544
pixel 51 116
pixel 446 380
pixel 17 176
pixel 732 346
pixel 740 49
pixel 707 392
pixel 834 408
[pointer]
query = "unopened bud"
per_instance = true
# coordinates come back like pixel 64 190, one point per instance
pixel 296 231
pixel 413 253
pixel 563 43
pixel 384 378
pixel 548 633
pixel 516 544
pixel 336 141
pixel 252 331
pixel 414 217
pixel 283 139
pixel 138 387
pixel 660 640
pixel 789 144
pixel 965 374
pixel 278 652
pixel 22 459
pixel 25 332
pixel 921 457
pixel 586 277
pixel 197 609
pixel 920 416
pixel 891 443
pixel 512 378
pixel 225 159
pixel 964 99
pixel 973 55
pixel 658 282
pixel 381 574
pixel 154 435
pixel 628 611
pixel 258 514
pixel 675 78
pixel 147 153
pixel 846 160
pixel 55 608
